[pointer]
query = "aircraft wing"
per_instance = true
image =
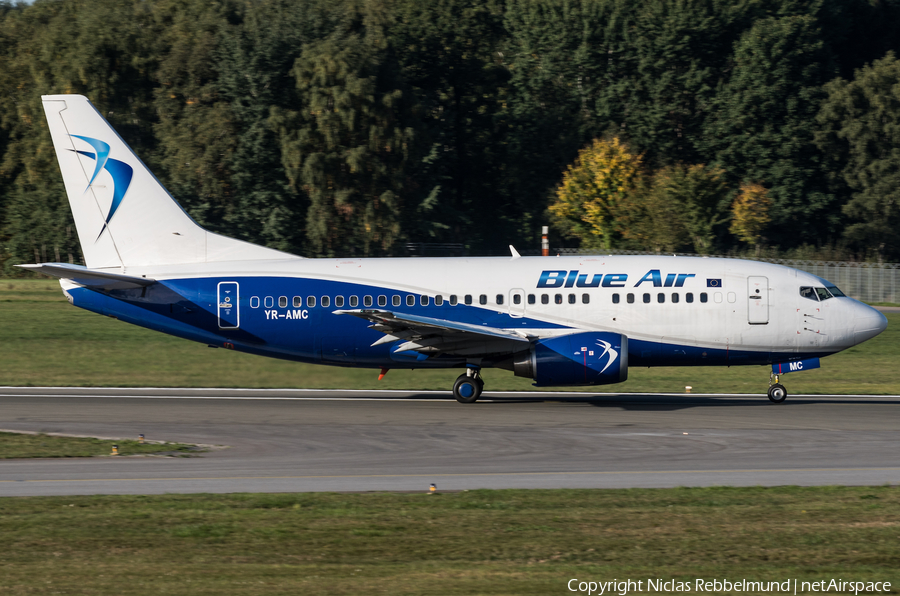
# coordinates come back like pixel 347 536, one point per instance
pixel 92 278
pixel 429 335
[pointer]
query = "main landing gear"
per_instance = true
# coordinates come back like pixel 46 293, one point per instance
pixel 467 388
pixel 777 392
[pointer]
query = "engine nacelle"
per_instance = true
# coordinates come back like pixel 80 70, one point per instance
pixel 589 358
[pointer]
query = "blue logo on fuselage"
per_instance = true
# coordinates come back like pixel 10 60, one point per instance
pixel 120 171
pixel 569 279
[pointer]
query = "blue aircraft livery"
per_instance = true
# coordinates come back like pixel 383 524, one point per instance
pixel 570 279
pixel 120 172
pixel 585 322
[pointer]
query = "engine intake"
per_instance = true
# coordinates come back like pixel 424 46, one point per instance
pixel 589 358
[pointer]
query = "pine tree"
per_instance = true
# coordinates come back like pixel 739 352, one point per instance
pixel 347 146
pixel 763 125
pixel 447 53
pixel 860 129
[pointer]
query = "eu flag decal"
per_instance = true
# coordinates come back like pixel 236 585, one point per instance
pixel 713 283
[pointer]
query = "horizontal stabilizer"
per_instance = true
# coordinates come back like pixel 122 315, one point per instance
pixel 90 277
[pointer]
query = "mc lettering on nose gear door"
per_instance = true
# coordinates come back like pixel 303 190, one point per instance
pixel 758 300
pixel 229 309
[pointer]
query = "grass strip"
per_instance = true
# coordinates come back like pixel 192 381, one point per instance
pixel 49 342
pixel 27 445
pixel 475 542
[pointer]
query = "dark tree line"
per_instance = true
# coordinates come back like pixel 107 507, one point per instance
pixel 350 127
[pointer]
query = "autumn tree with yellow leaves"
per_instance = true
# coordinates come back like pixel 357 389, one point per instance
pixel 595 191
pixel 750 213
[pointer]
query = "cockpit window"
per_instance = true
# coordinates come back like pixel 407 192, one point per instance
pixel 836 292
pixel 809 293
pixel 823 294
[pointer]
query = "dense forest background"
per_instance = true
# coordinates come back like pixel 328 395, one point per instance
pixel 352 127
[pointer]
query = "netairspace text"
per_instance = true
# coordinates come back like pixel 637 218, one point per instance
pixel 790 586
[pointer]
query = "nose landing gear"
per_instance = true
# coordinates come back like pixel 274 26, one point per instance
pixel 777 392
pixel 468 386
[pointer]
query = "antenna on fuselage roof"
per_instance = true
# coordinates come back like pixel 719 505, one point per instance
pixel 515 253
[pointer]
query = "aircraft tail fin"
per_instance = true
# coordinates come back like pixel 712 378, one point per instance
pixel 123 214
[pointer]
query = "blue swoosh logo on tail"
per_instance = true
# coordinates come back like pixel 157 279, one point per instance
pixel 121 173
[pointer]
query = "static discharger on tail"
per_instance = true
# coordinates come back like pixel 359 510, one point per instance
pixel 561 322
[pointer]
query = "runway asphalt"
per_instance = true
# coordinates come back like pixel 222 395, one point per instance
pixel 295 440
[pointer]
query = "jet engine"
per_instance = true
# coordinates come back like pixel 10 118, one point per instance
pixel 589 358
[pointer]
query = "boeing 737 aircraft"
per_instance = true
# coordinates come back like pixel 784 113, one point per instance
pixel 578 320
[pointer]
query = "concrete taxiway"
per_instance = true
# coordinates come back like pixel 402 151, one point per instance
pixel 294 440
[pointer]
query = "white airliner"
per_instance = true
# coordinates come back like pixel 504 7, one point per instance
pixel 560 320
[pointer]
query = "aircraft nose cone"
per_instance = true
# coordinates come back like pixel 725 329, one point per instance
pixel 868 323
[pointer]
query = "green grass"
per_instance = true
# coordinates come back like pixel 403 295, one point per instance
pixel 19 445
pixel 48 342
pixel 477 542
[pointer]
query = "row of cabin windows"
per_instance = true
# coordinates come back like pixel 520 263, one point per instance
pixel 661 298
pixel 396 300
pixel 352 301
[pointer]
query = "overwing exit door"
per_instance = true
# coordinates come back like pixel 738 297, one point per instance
pixel 229 305
pixel 758 300
pixel 517 303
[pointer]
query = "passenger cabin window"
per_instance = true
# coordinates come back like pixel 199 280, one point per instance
pixel 354 301
pixel 282 302
pixel 517 299
pixel 311 301
pixel 395 300
pixel 367 301
pixel 468 299
pixel 703 297
pixel 615 298
pixel 298 301
pixel 254 302
pixel 482 299
pixel 499 299
pixel 382 301
pixel 545 299
pixel 410 300
pixel 270 302
pixel 646 298
pixel 454 300
pixel 660 297
pixel 630 298
pixel 571 298
pixel 326 301
pixel 531 298
pixel 339 301
pixel 585 299
pixel 689 297
pixel 557 298
pixel 438 300
pixel 423 300
pixel 675 297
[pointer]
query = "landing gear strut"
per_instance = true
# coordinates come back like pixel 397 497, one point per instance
pixel 777 392
pixel 467 388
